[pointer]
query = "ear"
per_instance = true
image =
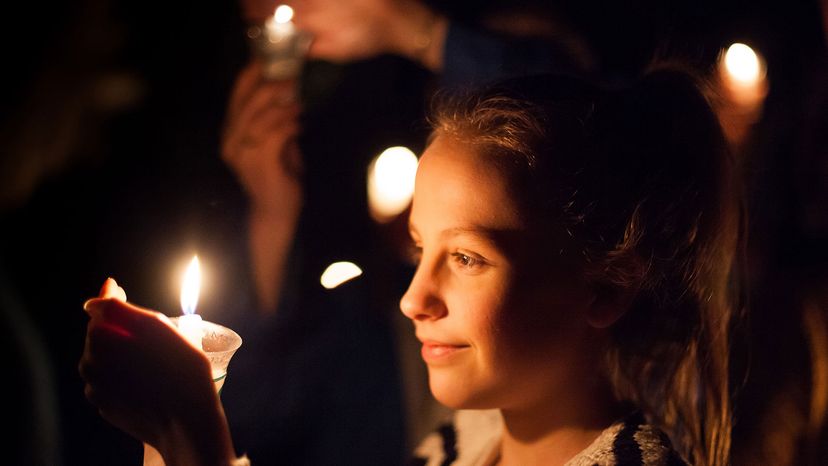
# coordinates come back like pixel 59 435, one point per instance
pixel 608 304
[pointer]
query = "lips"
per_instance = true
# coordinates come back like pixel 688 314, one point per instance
pixel 436 352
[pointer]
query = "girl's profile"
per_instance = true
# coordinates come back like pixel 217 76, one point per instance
pixel 573 295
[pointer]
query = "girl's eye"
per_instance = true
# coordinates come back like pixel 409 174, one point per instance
pixel 466 261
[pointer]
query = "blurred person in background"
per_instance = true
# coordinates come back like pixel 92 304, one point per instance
pixel 782 415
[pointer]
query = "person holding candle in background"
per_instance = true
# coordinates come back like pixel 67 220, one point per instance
pixel 508 41
pixel 571 277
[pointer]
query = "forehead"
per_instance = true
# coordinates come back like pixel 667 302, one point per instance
pixel 460 189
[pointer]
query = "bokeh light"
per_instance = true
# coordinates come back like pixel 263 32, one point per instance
pixel 391 182
pixel 743 64
pixel 339 273
pixel 283 14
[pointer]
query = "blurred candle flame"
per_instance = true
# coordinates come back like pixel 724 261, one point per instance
pixel 744 85
pixel 191 287
pixel 283 14
pixel 391 182
pixel 743 64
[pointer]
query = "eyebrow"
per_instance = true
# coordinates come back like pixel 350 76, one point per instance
pixel 488 233
pixel 509 242
pixel 491 234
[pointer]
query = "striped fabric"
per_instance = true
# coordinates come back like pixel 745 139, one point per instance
pixel 472 438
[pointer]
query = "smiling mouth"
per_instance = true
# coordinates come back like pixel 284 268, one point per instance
pixel 433 352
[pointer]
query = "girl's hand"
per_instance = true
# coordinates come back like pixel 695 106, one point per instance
pixel 141 373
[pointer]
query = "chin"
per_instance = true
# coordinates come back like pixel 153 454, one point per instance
pixel 455 393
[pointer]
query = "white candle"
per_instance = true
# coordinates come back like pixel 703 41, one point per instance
pixel 189 324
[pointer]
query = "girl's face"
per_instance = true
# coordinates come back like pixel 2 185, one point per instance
pixel 502 325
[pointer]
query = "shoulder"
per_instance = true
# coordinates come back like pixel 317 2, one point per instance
pixel 629 442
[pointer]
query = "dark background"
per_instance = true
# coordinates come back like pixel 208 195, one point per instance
pixel 111 121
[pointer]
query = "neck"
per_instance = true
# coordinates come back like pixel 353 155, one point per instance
pixel 552 431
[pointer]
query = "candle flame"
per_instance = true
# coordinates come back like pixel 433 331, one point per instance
pixel 743 64
pixel 391 182
pixel 283 14
pixel 191 287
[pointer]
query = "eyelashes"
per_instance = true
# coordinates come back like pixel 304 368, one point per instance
pixel 465 261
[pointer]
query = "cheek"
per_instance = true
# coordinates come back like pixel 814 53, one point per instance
pixel 542 324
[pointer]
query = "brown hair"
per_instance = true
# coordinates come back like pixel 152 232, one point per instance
pixel 641 182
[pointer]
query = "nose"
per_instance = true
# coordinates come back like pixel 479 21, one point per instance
pixel 422 300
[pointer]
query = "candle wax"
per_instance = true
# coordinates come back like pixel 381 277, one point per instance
pixel 190 326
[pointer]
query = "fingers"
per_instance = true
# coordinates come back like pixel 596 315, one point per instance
pixel 260 157
pixel 250 82
pixel 116 353
pixel 263 96
pixel 273 123
pixel 264 114
pixel 136 367
pixel 247 82
pixel 262 137
pixel 109 290
pixel 120 313
pixel 268 167
pixel 101 366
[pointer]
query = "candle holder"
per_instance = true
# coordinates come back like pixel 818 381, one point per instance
pixel 219 344
pixel 280 46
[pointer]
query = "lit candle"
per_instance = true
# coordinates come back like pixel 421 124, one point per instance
pixel 744 85
pixel 218 343
pixel 744 74
pixel 280 25
pixel 279 44
pixel 190 323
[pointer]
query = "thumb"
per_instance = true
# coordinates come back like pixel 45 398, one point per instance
pixel 126 316
pixel 110 289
